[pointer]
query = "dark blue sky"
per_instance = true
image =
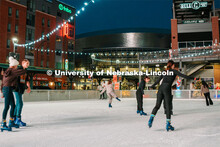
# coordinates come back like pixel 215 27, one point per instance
pixel 116 14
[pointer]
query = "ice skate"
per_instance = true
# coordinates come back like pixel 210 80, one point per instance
pixel 118 99
pixel 4 127
pixel 169 127
pixel 150 122
pixel 138 111
pixel 110 105
pixel 12 124
pixel 143 113
pixel 19 122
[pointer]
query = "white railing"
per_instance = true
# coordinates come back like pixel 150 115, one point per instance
pixel 58 95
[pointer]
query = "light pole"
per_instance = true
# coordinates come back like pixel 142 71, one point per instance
pixel 15 41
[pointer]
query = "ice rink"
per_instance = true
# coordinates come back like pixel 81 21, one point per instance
pixel 90 123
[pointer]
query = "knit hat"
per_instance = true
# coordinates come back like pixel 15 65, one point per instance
pixel 13 62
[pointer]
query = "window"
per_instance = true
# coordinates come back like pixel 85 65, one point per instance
pixel 17 13
pixel 48 23
pixel 8 43
pixel 43 8
pixel 47 63
pixel 42 21
pixel 29 34
pixel 30 19
pixel 16 28
pixel 42 63
pixel 9 27
pixel 48 10
pixel 9 11
pixel 30 5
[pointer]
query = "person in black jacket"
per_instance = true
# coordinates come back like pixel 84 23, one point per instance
pixel 22 84
pixel 164 93
pixel 140 94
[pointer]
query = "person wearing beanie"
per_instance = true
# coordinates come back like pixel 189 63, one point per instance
pixel 8 84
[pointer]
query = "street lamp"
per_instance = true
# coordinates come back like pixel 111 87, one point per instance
pixel 15 41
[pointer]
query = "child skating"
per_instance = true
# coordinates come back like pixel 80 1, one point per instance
pixel 110 92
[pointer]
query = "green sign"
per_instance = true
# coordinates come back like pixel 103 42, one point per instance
pixel 63 8
pixel 66 64
pixel 194 5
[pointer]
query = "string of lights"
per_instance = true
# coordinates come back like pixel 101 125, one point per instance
pixel 57 28
pixel 128 53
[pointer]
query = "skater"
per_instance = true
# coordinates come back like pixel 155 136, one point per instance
pixel 140 95
pixel 22 83
pixel 205 91
pixel 164 93
pixel 8 84
pixel 99 88
pixel 192 88
pixel 110 92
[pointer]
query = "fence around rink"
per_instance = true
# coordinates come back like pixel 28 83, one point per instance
pixel 59 95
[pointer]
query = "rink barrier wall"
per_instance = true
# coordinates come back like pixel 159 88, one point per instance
pixel 60 95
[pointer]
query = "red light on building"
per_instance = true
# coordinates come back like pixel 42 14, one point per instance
pixel 68 31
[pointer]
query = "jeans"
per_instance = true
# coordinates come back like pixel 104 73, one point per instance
pixel 19 104
pixel 9 100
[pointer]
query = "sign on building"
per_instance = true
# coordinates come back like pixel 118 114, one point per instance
pixel 194 5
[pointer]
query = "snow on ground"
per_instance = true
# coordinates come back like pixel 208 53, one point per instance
pixel 90 123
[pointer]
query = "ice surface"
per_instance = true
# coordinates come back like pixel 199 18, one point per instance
pixel 90 123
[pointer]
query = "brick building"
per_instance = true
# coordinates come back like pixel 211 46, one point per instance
pixel 28 20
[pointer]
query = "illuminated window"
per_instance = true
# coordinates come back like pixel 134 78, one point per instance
pixel 9 27
pixel 9 11
pixel 16 28
pixel 8 43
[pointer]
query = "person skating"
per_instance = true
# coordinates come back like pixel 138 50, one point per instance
pixel 110 92
pixel 171 107
pixel 8 84
pixel 100 88
pixel 22 83
pixel 140 95
pixel 164 93
pixel 205 91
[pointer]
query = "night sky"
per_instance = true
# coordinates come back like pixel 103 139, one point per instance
pixel 115 14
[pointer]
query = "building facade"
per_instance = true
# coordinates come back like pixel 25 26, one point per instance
pixel 195 26
pixel 28 20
